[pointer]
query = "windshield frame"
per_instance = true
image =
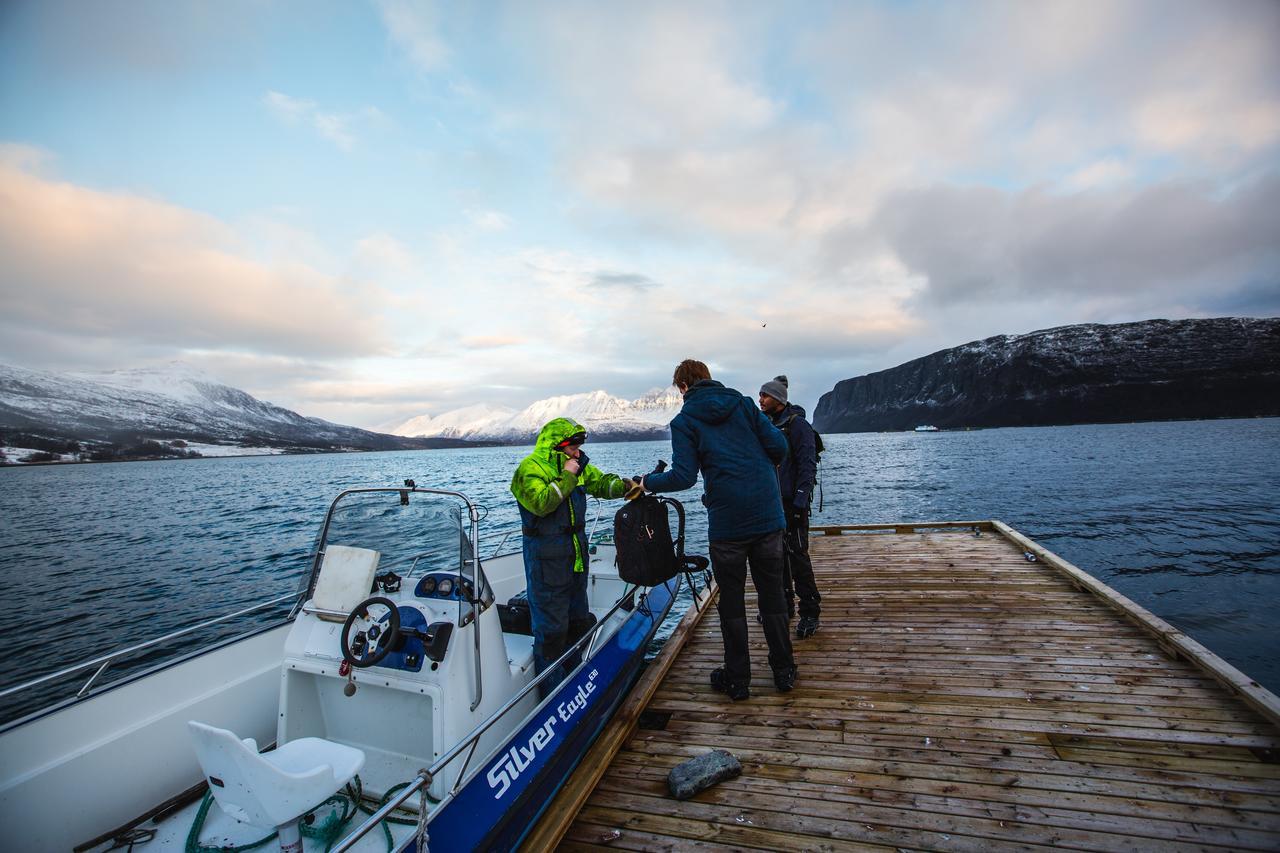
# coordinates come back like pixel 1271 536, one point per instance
pixel 480 582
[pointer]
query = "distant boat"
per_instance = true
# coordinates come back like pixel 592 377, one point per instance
pixel 926 428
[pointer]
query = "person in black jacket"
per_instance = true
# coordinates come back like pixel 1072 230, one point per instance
pixel 796 476
pixel 720 433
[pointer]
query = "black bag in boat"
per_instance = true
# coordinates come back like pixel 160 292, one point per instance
pixel 647 555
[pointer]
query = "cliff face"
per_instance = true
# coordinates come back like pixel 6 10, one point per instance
pixel 1091 373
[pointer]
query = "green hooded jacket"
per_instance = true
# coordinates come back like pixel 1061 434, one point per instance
pixel 541 483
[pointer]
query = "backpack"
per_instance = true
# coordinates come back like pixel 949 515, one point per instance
pixel 817 439
pixel 647 555
pixel 817 454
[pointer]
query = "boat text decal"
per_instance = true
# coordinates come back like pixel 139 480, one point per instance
pixel 517 759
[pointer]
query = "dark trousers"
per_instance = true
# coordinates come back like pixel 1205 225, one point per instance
pixel 730 559
pixel 798 573
pixel 559 611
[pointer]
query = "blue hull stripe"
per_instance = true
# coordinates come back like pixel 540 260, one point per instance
pixel 502 802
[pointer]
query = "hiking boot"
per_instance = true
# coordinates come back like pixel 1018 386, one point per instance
pixel 736 692
pixel 806 627
pixel 785 679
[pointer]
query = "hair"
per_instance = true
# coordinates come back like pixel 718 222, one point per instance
pixel 689 372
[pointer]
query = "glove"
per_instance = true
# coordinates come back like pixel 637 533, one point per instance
pixel 634 489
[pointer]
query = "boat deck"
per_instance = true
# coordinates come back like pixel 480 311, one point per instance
pixel 958 696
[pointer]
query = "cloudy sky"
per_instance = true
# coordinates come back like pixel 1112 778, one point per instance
pixel 368 211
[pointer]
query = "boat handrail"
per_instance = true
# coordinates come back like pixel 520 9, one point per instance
pixel 497 549
pixel 103 661
pixel 468 743
pixel 595 522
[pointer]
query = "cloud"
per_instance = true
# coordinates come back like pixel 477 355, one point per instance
pixel 629 281
pixel 338 128
pixel 489 220
pixel 83 262
pixel 491 341
pixel 1176 241
pixel 415 29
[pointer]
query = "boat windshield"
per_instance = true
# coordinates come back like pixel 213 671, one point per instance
pixel 415 533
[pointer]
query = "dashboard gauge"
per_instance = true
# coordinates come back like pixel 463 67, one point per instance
pixel 428 586
pixel 445 586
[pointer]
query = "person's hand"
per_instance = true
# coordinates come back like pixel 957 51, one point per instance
pixel 573 466
pixel 634 489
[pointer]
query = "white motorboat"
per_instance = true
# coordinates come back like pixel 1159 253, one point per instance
pixel 418 704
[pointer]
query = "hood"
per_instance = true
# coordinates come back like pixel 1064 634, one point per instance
pixel 790 411
pixel 556 431
pixel 710 402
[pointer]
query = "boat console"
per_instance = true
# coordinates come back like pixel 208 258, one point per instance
pixel 399 650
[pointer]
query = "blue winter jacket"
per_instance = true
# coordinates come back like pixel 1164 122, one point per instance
pixel 799 471
pixel 723 434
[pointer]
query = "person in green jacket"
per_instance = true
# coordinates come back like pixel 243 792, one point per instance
pixel 551 486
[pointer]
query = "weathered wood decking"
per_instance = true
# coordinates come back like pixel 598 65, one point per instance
pixel 958 696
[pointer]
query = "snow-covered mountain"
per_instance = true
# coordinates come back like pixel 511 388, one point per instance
pixel 164 404
pixel 604 416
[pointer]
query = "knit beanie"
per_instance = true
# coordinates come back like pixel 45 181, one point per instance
pixel 776 388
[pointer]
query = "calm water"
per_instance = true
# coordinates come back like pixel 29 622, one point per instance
pixel 1181 517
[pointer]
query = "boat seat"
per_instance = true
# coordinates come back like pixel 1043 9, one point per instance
pixel 519 650
pixel 273 788
pixel 346 579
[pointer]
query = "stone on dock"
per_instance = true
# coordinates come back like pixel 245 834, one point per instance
pixel 698 774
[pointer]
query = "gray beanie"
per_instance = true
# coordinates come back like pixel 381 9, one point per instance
pixel 776 388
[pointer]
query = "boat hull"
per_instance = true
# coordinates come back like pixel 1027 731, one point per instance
pixel 523 777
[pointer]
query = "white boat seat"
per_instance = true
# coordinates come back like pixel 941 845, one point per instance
pixel 273 788
pixel 346 578
pixel 519 650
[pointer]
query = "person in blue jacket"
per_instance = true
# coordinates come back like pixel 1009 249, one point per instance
pixel 721 433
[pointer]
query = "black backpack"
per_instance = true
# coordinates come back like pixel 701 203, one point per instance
pixel 642 535
pixel 817 438
pixel 647 554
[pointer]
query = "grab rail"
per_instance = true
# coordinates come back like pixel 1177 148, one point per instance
pixel 107 659
pixel 468 743
pixel 595 523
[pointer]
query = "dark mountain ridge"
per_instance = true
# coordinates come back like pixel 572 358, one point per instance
pixel 1089 373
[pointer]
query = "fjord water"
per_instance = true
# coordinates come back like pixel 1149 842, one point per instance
pixel 1181 517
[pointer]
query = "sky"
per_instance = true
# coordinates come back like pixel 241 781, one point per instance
pixel 371 211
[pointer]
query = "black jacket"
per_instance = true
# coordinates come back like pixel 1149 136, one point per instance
pixel 799 470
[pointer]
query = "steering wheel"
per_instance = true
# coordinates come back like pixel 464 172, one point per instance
pixel 373 641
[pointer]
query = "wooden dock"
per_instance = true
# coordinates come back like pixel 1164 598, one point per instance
pixel 958 696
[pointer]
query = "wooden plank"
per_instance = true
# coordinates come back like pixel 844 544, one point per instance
pixel 1261 699
pixel 956 696
pixel 569 799
pixel 1048 811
